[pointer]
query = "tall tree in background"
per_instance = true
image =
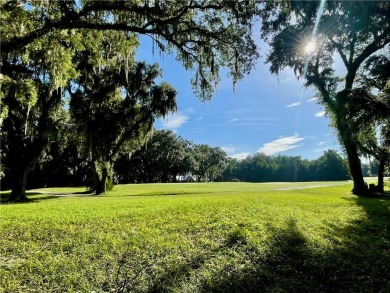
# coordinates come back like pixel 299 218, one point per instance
pixel 40 40
pixel 168 155
pixel 161 159
pixel 114 106
pixel 306 36
pixel 330 166
pixel 211 161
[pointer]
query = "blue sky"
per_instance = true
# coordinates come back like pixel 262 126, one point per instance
pixel 266 113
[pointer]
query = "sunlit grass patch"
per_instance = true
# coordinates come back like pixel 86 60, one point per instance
pixel 196 238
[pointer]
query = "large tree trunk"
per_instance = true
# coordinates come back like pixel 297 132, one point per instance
pixel 346 133
pixel 101 185
pixel 381 171
pixel 22 160
pixel 19 181
pixel 355 168
pixel 100 181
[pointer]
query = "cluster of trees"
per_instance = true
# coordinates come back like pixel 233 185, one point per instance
pixel 262 168
pixel 162 157
pixel 166 157
pixel 68 66
pixel 82 52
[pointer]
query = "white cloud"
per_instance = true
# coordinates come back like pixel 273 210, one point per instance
pixel 231 152
pixel 228 149
pixel 199 118
pixel 313 99
pixel 320 114
pixel 174 121
pixel 293 104
pixel 233 120
pixel 281 145
pixel 240 156
pixel 321 143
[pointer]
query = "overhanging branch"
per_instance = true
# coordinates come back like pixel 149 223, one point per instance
pixel 341 53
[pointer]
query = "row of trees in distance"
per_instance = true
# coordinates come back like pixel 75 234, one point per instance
pixel 166 157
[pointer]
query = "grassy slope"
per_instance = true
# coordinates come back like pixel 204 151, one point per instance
pixel 197 238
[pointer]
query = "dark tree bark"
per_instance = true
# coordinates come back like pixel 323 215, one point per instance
pixel 22 167
pixel 19 181
pixel 359 187
pixel 381 170
pixel 100 176
pixel 101 183
pixel 346 134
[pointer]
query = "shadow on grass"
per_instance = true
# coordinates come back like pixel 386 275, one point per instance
pixel 357 259
pixel 30 197
pixel 86 192
pixel 357 262
pixel 36 196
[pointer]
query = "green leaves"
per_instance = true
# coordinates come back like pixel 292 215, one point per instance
pixel 24 91
pixel 204 35
pixel 117 100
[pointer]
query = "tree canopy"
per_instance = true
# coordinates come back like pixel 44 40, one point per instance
pixel 42 42
pixel 114 109
pixel 204 35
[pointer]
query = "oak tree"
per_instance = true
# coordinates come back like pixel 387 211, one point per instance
pixel 311 37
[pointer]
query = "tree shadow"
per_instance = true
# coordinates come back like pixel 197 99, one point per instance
pixel 6 195
pixel 356 260
pixel 86 192
pixel 286 267
pixel 36 196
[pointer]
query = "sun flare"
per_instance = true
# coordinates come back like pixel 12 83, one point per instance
pixel 310 47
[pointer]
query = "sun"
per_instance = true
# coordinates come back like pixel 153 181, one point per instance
pixel 310 47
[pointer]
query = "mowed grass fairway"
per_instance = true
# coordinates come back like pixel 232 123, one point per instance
pixel 206 237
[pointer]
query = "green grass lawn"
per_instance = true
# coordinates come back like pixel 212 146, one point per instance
pixel 212 237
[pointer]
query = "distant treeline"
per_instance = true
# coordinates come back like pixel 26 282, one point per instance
pixel 262 168
pixel 166 157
